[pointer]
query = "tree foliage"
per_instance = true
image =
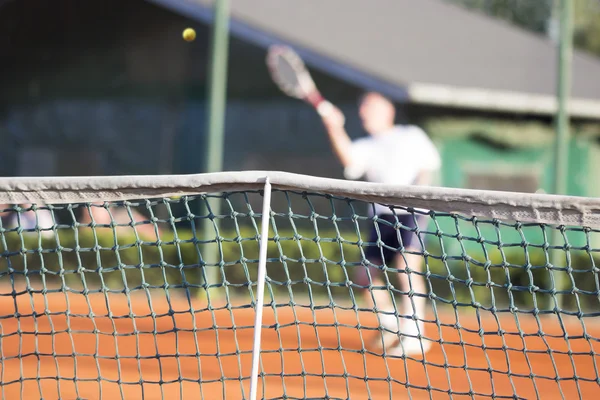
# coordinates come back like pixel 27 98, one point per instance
pixel 587 25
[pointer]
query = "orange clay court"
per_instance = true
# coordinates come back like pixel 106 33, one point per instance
pixel 330 373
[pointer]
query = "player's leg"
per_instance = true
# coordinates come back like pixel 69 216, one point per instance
pixel 410 278
pixel 379 300
pixel 376 296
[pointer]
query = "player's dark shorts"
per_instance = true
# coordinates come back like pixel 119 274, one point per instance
pixel 388 234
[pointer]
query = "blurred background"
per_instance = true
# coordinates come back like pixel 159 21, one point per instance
pixel 107 87
pixel 110 87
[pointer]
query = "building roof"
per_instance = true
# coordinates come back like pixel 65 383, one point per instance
pixel 425 51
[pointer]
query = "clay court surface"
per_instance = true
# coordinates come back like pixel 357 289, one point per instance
pixel 157 373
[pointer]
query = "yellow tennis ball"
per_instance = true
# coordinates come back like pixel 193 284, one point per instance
pixel 189 35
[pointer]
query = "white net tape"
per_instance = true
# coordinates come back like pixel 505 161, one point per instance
pixel 538 208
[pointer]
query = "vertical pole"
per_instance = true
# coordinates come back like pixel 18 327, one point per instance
pixel 217 97
pixel 563 91
pixel 260 287
pixel 561 151
pixel 217 86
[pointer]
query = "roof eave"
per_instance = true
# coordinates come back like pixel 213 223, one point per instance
pixel 497 100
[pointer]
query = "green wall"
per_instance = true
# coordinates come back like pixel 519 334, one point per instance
pixel 465 155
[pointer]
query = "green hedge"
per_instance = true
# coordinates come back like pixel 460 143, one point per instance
pixel 321 265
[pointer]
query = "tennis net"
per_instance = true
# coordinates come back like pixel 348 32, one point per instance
pixel 110 288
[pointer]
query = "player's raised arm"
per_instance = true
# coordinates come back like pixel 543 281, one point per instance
pixel 338 137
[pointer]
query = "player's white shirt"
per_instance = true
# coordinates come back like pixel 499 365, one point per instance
pixel 393 157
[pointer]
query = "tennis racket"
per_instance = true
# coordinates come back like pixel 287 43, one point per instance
pixel 291 75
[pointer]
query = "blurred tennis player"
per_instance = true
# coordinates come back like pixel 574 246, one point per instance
pixel 391 154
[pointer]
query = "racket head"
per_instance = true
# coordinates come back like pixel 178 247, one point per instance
pixel 289 72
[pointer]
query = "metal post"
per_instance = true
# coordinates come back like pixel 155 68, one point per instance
pixel 217 96
pixel 217 86
pixel 563 91
pixel 561 150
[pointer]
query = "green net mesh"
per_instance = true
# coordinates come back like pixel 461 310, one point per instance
pixel 137 299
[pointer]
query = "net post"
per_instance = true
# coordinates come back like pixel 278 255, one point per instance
pixel 260 286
